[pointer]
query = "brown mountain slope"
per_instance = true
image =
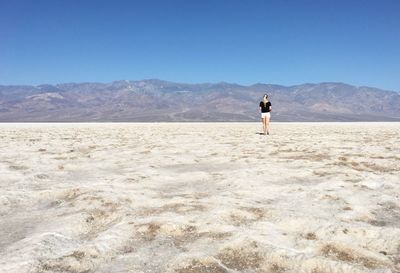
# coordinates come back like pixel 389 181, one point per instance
pixel 156 100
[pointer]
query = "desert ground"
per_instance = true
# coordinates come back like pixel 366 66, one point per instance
pixel 199 197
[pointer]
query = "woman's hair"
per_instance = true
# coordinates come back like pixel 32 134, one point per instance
pixel 264 98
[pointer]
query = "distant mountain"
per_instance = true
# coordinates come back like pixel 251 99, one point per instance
pixel 157 100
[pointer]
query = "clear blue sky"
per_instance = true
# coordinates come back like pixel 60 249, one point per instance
pixel 283 42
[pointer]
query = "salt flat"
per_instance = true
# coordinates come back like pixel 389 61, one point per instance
pixel 200 197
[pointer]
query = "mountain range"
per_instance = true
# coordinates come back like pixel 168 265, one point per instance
pixel 157 100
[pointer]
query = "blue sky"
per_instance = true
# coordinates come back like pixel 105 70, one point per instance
pixel 282 42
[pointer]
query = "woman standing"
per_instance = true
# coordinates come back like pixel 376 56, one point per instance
pixel 265 109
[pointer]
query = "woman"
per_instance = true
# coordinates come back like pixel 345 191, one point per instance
pixel 265 109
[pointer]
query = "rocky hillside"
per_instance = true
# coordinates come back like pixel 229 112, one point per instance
pixel 156 100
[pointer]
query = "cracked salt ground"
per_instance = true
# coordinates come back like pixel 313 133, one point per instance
pixel 199 197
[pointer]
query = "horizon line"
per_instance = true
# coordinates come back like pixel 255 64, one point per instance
pixel 200 83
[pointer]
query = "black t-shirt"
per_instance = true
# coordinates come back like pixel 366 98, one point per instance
pixel 265 107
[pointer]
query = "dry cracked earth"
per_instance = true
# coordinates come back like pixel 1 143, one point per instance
pixel 199 197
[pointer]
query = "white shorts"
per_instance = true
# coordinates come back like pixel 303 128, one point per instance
pixel 266 115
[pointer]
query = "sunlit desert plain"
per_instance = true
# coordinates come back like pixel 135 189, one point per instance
pixel 199 197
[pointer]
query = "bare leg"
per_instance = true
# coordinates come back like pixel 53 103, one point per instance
pixel 267 125
pixel 263 123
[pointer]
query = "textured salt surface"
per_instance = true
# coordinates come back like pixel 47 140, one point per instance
pixel 204 197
